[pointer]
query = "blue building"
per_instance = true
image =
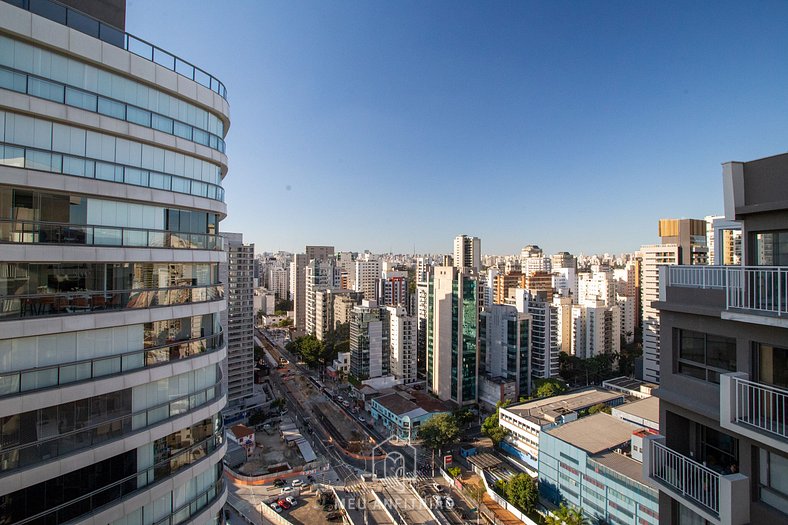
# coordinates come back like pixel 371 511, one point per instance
pixel 402 413
pixel 589 464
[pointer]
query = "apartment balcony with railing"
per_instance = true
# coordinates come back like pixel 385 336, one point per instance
pixel 755 410
pixel 744 293
pixel 722 499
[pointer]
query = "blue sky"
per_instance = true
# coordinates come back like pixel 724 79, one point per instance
pixel 572 125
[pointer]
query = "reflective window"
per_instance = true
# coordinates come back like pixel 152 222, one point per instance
pixel 53 66
pixel 705 356
pixel 21 130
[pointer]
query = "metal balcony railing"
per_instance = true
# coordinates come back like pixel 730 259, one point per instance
pixel 762 289
pixel 761 406
pixel 84 23
pixel 685 476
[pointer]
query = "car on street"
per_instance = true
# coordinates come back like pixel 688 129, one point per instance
pixel 448 502
pixel 279 483
pixel 296 483
pixel 276 507
pixel 286 490
pixel 361 419
pixel 436 487
pixel 292 501
pixel 345 404
pixel 340 398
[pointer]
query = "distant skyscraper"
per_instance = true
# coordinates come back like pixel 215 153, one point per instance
pixel 468 252
pixel 452 334
pixel 367 273
pixel 298 281
pixel 239 317
pixel 544 333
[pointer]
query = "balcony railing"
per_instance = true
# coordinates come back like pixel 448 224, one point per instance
pixel 685 476
pixel 84 23
pixel 762 289
pixel 85 302
pixel 761 406
pixel 36 232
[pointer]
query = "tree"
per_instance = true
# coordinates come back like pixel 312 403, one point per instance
pixel 256 417
pixel 440 431
pixel 599 407
pixel 464 417
pixel 566 516
pixel 492 429
pixel 284 305
pixel 522 492
pixel 455 472
pixel 549 387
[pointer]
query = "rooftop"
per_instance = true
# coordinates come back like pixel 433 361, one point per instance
pixel 547 410
pixel 645 408
pixel 622 464
pixel 484 460
pixel 595 434
pixel 396 404
pixel 628 383
pixel 240 431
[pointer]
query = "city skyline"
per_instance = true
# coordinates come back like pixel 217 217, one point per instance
pixel 615 115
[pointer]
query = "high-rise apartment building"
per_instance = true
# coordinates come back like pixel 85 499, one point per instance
pixel 367 273
pixel 504 346
pixel 722 456
pixel 238 319
pixel 320 275
pixel 467 252
pixel 452 334
pixel 369 341
pixel 111 167
pixel 402 344
pixel 393 288
pixel 544 333
pixel 683 242
pixel 298 282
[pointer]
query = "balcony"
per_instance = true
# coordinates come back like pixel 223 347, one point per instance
pixel 720 499
pixel 758 290
pixel 755 410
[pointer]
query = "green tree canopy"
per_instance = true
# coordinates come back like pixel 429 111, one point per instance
pixel 549 387
pixel 440 431
pixel 492 429
pixel 522 492
pixel 566 516
pixel 599 407
pixel 454 471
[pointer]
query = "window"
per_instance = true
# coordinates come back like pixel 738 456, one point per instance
pixel 771 248
pixel 771 365
pixel 705 356
pixel 773 480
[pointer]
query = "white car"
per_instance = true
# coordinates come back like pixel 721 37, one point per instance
pixel 297 483
pixel 291 500
pixel 448 502
pixel 276 507
pixel 345 404
pixel 437 488
pixel 361 419
pixel 339 398
pixel 285 490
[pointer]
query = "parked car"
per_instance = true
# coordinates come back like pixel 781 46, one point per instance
pixel 286 490
pixel 448 502
pixel 296 482
pixel 283 503
pixel 437 488
pixel 276 507
pixel 292 501
pixel 340 398
pixel 361 419
pixel 279 483
pixel 345 404
pixel 334 516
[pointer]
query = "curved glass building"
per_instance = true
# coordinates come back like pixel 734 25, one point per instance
pixel 112 157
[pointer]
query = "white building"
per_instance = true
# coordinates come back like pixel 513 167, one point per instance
pixel 468 252
pixel 403 344
pixel 367 271
pixel 603 330
pixel 544 333
pixel 505 343
pixel 369 341
pixel 654 256
pixel 319 276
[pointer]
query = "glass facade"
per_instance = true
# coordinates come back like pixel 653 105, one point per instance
pixel 39 144
pixel 470 324
pixel 27 58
